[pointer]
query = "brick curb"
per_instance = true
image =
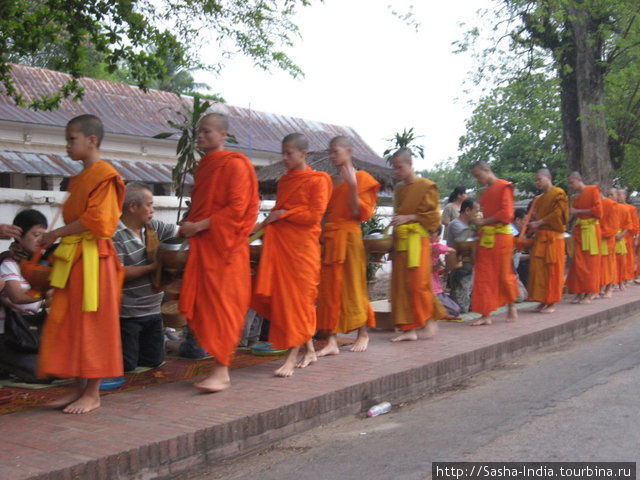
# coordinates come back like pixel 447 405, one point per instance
pixel 236 437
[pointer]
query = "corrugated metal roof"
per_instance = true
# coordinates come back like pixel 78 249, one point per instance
pixel 46 165
pixel 127 110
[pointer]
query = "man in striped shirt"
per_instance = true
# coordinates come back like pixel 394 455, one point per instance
pixel 140 319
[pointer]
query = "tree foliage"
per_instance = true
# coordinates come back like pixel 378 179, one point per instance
pixel 517 129
pixel 142 37
pixel 590 49
pixel 405 139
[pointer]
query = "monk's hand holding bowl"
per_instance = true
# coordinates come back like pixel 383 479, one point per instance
pixel 533 226
pixel 402 219
pixel 48 238
pixel 188 229
pixel 273 216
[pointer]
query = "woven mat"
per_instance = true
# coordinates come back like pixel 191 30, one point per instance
pixel 15 397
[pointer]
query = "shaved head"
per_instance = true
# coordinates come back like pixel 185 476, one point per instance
pixel 481 164
pixel 575 176
pixel 298 140
pixel 341 140
pixel 219 119
pixel 402 154
pixel 545 172
pixel 88 125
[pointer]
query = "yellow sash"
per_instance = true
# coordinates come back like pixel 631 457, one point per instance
pixel 488 239
pixel 334 236
pixel 621 245
pixel 408 240
pixel 588 234
pixel 64 257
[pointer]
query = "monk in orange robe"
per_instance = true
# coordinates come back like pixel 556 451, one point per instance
pixel 547 258
pixel 216 284
pixel 624 222
pixel 584 274
pixel 343 302
pixel 609 227
pixel 414 307
pixel 81 336
pixel 286 286
pixel 630 236
pixel 495 283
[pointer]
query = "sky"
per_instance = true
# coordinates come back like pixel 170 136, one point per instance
pixel 367 69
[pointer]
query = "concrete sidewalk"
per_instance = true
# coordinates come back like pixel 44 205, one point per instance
pixel 167 429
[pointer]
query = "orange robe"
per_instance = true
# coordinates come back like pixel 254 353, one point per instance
pixel 626 223
pixel 584 274
pixel 630 270
pixel 546 270
pixel 343 301
pixel 286 285
pixel 412 298
pixel 216 284
pixel 495 283
pixel 77 343
pixel 609 227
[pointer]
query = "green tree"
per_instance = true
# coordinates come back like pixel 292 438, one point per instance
pixel 517 129
pixel 70 34
pixel 405 139
pixel 581 41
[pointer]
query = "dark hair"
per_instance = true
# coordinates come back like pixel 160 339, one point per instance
pixel 520 213
pixel 88 125
pixel 459 190
pixel 27 219
pixel 466 204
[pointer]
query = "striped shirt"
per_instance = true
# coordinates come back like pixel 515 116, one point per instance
pixel 139 298
pixel 10 271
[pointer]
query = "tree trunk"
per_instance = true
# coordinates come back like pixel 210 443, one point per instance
pixel 569 112
pixel 595 161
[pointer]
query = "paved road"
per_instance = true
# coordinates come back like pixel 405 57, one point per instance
pixel 576 402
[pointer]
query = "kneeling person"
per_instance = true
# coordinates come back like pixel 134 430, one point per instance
pixel 136 240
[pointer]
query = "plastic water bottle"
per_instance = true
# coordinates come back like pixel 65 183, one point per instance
pixel 379 409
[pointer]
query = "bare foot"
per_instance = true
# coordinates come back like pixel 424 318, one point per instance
pixel 84 404
pixel 429 330
pixel 548 308
pixel 539 307
pixel 331 348
pixel 307 359
pixel 636 281
pixel 608 294
pixel 409 335
pixel 218 381
pixel 512 313
pixel 577 298
pixel 362 342
pixel 585 300
pixel 484 320
pixel 67 399
pixel 286 370
pixel 88 401
pixel 622 287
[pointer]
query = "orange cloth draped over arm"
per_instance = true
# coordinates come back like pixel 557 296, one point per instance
pixel 216 284
pixel 546 270
pixel 75 343
pixel 494 282
pixel 286 285
pixel 343 301
pixel 609 226
pixel 412 298
pixel 584 274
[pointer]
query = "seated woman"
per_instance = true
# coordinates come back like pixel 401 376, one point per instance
pixel 17 294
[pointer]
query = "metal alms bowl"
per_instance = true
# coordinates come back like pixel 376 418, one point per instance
pixel 173 253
